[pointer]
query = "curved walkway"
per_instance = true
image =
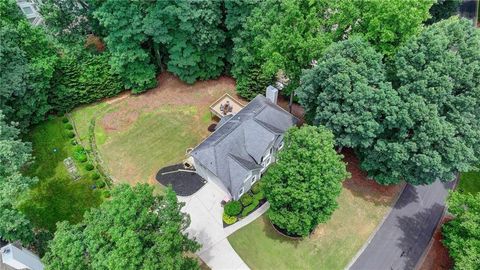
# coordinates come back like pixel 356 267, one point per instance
pixel 401 240
pixel 206 227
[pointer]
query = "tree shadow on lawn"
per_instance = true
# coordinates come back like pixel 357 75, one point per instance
pixel 360 186
pixel 271 233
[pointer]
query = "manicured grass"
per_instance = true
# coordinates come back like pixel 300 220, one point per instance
pixel 156 139
pixel 56 196
pixel 331 246
pixel 470 182
pixel 137 135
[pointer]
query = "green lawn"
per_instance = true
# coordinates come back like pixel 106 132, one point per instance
pixel 331 246
pixel 470 182
pixel 55 197
pixel 136 135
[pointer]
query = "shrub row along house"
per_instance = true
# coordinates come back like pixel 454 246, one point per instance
pixel 236 155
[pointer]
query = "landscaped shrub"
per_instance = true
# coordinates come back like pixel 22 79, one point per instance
pixel 89 167
pixel 73 142
pixel 247 210
pixel 80 154
pixel 256 188
pixel 229 219
pixel 100 183
pixel 65 119
pixel 106 193
pixel 71 134
pixel 246 199
pixel 232 208
pixel 95 176
pixel 69 126
pixel 259 196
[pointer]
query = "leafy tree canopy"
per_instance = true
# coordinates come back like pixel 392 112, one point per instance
pixel 304 183
pixel 385 24
pixel 347 93
pixel 462 234
pixel 27 62
pixel 437 131
pixel 134 230
pixel 14 154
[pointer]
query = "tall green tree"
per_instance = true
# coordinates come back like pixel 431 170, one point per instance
pixel 134 230
pixel 69 20
pixel 126 38
pixel 348 93
pixel 385 24
pixel 14 154
pixel 462 234
pixel 281 36
pixel 437 131
pixel 190 31
pixel 27 62
pixel 304 183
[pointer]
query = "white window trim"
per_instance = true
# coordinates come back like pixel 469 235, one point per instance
pixel 280 146
pixel 254 179
pixel 241 192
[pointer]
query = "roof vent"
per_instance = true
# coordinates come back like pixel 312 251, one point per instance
pixel 272 94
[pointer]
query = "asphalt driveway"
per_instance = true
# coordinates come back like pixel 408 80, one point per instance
pixel 406 232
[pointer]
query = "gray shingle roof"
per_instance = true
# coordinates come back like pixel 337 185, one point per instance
pixel 238 144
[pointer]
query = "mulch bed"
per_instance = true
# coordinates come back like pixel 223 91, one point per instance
pixel 212 127
pixel 260 203
pixel 184 183
pixel 437 256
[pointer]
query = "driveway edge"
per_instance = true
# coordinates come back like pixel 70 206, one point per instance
pixel 365 245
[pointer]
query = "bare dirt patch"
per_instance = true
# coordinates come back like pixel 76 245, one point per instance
pixel 437 257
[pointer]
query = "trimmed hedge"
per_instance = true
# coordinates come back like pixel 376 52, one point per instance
pixel 259 196
pixel 232 208
pixel 65 119
pixel 73 142
pixel 95 176
pixel 229 219
pixel 246 199
pixel 100 183
pixel 71 135
pixel 256 188
pixel 69 126
pixel 80 154
pixel 247 210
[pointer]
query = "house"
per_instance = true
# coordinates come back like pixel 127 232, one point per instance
pixel 236 155
pixel 17 257
pixel 30 9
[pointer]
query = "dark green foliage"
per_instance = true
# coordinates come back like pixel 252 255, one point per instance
pixel 100 183
pixel 247 210
pixel 71 134
pixel 27 64
pixel 246 199
pixel 303 185
pixel 80 154
pixel 69 126
pixel 69 20
pixel 73 141
pixel 347 93
pixel 436 132
pixel 232 208
pixel 443 9
pixel 462 234
pixel 253 83
pixel 95 175
pixel 132 230
pixel 14 155
pixel 89 167
pixel 256 188
pixel 65 119
pixel 106 193
pixel 83 78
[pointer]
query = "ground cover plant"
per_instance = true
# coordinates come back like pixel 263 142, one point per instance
pixel 56 197
pixel 361 206
pixel 138 135
pixel 469 182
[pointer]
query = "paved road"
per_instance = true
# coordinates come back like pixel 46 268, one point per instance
pixel 406 232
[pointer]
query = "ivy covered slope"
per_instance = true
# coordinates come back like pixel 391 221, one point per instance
pixel 303 185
